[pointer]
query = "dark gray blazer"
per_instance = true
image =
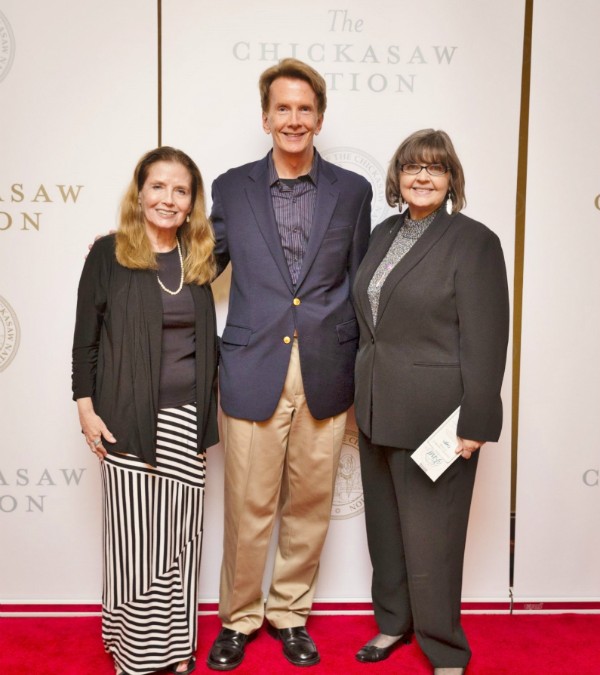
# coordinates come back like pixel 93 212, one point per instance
pixel 441 334
pixel 264 307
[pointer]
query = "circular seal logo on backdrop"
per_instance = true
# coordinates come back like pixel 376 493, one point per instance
pixel 7 46
pixel 10 334
pixel 367 166
pixel 348 500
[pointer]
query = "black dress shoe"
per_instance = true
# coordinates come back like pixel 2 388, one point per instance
pixel 372 654
pixel 227 651
pixel 298 647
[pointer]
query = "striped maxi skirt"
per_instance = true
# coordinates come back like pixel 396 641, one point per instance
pixel 152 545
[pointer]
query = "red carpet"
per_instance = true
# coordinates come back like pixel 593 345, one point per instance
pixel 563 644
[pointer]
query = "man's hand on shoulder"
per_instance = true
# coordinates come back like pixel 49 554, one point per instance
pixel 98 236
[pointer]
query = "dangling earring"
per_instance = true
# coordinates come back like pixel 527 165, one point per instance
pixel 449 203
pixel 187 218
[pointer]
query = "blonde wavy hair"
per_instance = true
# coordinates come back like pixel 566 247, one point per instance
pixel 133 249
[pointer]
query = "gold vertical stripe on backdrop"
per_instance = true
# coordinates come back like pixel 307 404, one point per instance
pixel 159 66
pixel 520 241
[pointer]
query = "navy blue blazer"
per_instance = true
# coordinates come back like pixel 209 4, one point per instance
pixel 265 309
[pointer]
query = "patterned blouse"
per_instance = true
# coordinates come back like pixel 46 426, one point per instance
pixel 406 238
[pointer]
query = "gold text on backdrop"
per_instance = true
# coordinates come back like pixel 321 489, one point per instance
pixel 17 193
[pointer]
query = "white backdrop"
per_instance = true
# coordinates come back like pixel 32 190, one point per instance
pixel 557 556
pixel 451 64
pixel 78 92
pixel 78 107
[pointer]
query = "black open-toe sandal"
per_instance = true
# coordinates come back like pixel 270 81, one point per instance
pixel 190 669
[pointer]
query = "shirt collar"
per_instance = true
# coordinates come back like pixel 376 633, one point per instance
pixel 312 175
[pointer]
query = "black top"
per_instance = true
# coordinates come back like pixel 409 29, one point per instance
pixel 177 363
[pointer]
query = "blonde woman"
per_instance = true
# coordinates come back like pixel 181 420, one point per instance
pixel 144 369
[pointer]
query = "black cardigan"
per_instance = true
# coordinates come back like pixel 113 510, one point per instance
pixel 117 351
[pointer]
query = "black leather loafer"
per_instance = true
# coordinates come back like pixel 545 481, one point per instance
pixel 298 646
pixel 372 654
pixel 227 651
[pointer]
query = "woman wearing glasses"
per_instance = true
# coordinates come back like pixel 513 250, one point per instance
pixel 432 303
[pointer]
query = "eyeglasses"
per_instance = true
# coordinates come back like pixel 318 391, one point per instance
pixel 432 169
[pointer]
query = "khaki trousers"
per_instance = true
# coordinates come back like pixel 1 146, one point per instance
pixel 288 461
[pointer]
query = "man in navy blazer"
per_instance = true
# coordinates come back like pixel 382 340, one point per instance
pixel 295 229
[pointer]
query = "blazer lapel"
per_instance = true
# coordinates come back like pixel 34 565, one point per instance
pixel 259 197
pixel 421 248
pixel 378 246
pixel 327 197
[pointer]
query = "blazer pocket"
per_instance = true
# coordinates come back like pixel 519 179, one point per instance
pixel 235 335
pixel 427 364
pixel 346 331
